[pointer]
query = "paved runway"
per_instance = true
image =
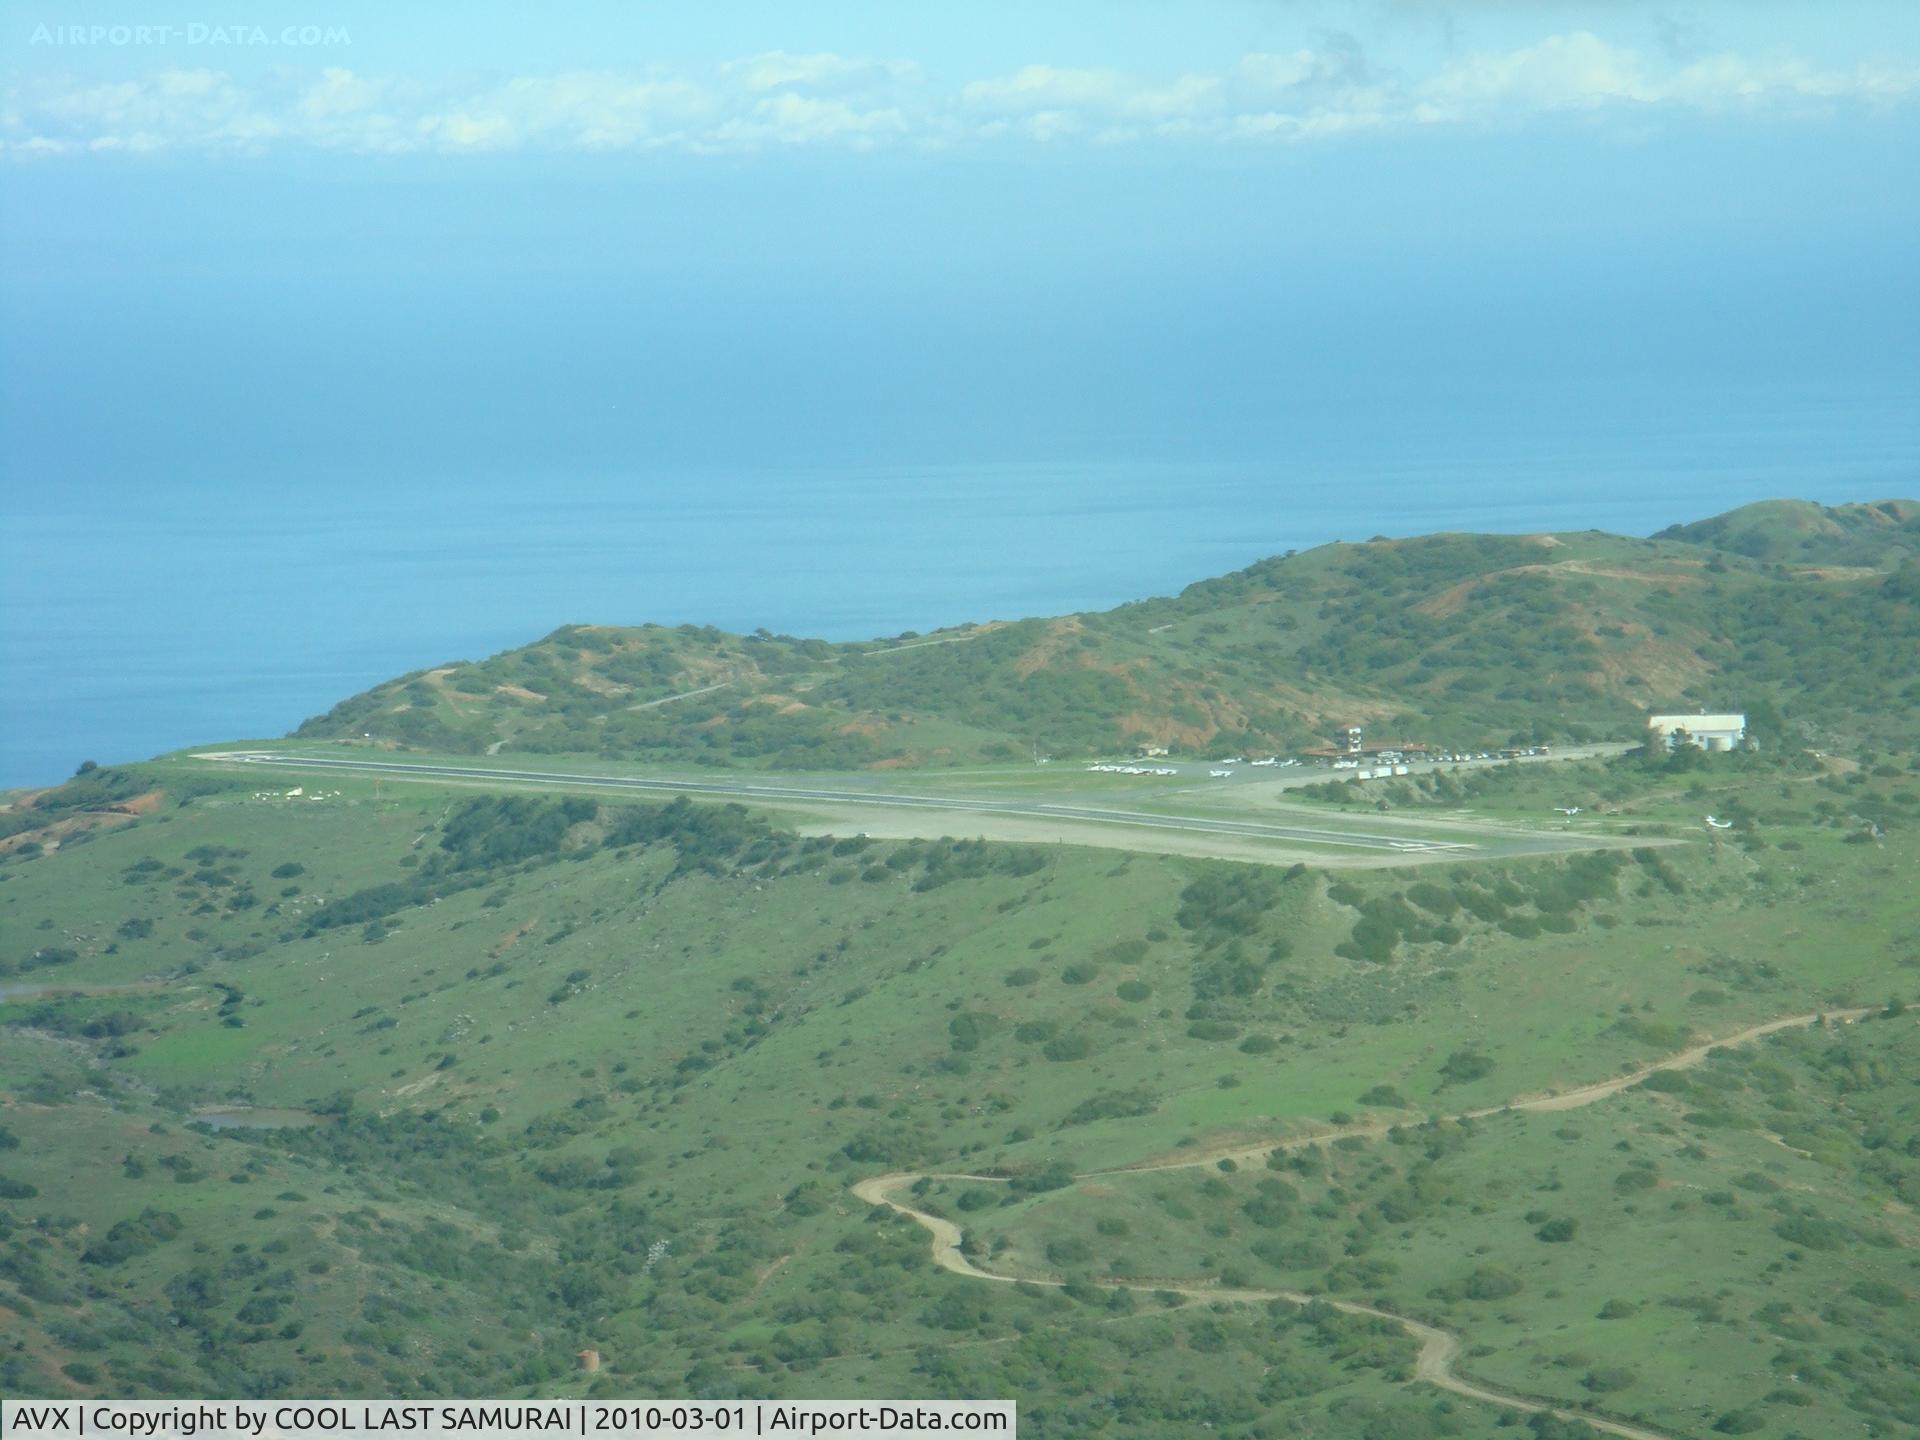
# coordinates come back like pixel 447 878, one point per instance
pixel 752 790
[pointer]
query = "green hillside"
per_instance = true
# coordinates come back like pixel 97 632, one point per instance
pixel 1799 532
pixel 1807 618
pixel 422 1082
pixel 548 1074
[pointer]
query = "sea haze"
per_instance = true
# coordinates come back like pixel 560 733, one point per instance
pixel 275 432
pixel 136 621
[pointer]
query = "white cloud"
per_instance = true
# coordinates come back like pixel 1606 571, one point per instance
pixel 779 100
pixel 1046 104
pixel 1036 88
pixel 1185 98
pixel 778 70
pixel 463 131
pixel 1581 71
pixel 789 119
pixel 1561 72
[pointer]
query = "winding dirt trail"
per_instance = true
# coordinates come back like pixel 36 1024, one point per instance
pixel 1439 1349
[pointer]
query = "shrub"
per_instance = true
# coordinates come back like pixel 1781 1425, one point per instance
pixel 1489 1282
pixel 1213 1030
pixel 1272 1205
pixel 1070 1251
pixel 970 1027
pixel 1660 1035
pixel 1879 1292
pixel 1431 897
pixel 1813 1232
pixel 1292 1254
pixel 1465 1065
pixel 1111 1105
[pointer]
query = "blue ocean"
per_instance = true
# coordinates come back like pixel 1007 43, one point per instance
pixel 133 621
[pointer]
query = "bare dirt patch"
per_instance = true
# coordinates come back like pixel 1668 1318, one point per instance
pixel 1453 599
pixel 600 685
pixel 1834 572
pixel 1060 634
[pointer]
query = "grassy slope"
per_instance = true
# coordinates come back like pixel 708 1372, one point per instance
pixel 1798 532
pixel 601 1047
pixel 1798 614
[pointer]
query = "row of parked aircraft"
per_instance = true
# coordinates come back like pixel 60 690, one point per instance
pixel 1231 760
pixel 1223 768
pixel 1220 768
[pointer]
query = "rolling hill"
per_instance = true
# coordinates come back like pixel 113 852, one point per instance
pixel 1461 640
pixel 421 1094
pixel 337 1086
pixel 1799 532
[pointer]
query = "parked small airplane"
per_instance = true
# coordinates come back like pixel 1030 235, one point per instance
pixel 1568 809
pixel 1719 824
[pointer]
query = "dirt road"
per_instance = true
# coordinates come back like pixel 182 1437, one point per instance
pixel 1439 1349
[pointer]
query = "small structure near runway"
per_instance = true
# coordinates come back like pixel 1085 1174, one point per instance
pixel 1351 746
pixel 1708 732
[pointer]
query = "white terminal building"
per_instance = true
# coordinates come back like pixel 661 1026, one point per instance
pixel 1709 732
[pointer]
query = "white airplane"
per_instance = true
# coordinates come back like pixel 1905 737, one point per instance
pixel 1219 774
pixel 1719 824
pixel 1568 809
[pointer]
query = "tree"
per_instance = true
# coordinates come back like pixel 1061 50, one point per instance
pixel 1464 1066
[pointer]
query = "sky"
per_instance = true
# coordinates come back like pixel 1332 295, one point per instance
pixel 733 78
pixel 345 239
pixel 336 238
